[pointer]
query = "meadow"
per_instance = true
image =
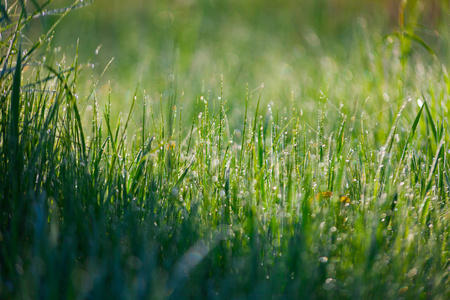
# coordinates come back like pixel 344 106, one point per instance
pixel 224 150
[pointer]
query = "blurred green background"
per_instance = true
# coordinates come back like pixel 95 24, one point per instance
pixel 298 49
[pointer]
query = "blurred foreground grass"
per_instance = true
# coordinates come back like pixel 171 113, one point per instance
pixel 330 181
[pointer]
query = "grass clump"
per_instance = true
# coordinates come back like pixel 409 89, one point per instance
pixel 273 207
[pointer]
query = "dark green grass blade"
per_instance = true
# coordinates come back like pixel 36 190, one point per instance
pixel 79 126
pixel 71 98
pixel 24 9
pixel 15 102
pixel 36 5
pixel 14 128
pixel 5 13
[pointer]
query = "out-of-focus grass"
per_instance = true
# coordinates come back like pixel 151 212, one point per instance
pixel 328 182
pixel 304 47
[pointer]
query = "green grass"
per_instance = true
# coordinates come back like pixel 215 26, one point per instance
pixel 233 193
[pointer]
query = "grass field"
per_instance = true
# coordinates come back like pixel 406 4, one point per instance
pixel 231 150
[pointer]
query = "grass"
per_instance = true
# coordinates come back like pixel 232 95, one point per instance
pixel 181 198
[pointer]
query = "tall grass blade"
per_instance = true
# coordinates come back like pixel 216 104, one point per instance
pixel 433 168
pixel 14 162
pixel 430 119
pixel 409 140
pixel 15 103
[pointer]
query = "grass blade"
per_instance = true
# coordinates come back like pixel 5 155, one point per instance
pixel 430 119
pixel 15 102
pixel 433 167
